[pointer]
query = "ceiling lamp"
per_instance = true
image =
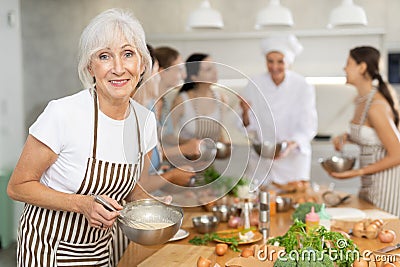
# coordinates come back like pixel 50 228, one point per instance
pixel 205 17
pixel 347 14
pixel 274 15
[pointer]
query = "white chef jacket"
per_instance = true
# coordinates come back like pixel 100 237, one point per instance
pixel 289 115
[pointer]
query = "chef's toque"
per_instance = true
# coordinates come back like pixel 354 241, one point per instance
pixel 288 45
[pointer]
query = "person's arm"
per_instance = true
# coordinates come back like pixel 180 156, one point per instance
pixel 340 140
pixel 379 116
pixel 25 186
pixel 245 106
pixel 307 121
pixel 149 183
pixel 189 148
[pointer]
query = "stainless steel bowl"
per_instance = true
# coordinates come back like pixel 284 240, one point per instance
pixel 151 212
pixel 283 203
pixel 338 164
pixel 223 150
pixel 222 212
pixel 205 224
pixel 269 150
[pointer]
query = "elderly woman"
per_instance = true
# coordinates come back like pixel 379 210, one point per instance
pixel 90 143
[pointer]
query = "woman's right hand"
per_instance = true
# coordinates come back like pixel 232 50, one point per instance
pixel 191 147
pixel 339 141
pixel 180 176
pixel 97 215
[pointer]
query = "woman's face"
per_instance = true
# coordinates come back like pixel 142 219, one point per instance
pixel 117 69
pixel 276 66
pixel 173 75
pixel 352 70
pixel 207 72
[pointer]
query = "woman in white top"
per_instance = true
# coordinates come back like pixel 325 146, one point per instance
pixel 197 110
pixel 90 143
pixel 375 128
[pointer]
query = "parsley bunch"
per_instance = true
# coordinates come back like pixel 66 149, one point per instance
pixel 319 239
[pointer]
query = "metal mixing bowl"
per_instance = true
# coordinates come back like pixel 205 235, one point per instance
pixel 338 164
pixel 223 150
pixel 151 211
pixel 205 224
pixel 283 203
pixel 269 150
pixel 222 212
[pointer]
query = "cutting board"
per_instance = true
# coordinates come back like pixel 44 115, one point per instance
pixel 174 255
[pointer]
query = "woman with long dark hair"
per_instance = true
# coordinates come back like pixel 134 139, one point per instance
pixel 375 128
pixel 197 111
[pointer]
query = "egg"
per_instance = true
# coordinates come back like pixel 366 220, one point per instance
pixel 247 252
pixel 203 262
pixel 221 249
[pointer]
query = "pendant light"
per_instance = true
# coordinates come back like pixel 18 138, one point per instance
pixel 347 14
pixel 205 17
pixel 274 15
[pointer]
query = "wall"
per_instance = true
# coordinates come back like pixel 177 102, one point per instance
pixel 50 30
pixel 11 107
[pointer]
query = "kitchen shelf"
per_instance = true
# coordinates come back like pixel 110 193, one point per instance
pixel 221 35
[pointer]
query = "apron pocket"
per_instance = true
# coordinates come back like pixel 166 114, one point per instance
pixel 90 254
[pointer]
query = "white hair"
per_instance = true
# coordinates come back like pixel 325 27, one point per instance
pixel 102 31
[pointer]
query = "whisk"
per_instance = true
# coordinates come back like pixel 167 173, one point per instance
pixel 128 221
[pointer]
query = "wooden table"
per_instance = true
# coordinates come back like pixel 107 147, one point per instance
pixel 280 223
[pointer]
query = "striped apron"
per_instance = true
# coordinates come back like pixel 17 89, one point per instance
pixel 62 238
pixel 207 126
pixel 380 188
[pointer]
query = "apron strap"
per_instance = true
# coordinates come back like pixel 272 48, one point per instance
pixel 367 106
pixel 137 129
pixel 96 118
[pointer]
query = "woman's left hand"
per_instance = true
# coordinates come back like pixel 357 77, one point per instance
pixel 291 145
pixel 346 174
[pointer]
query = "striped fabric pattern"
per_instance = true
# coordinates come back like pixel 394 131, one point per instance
pixel 78 238
pixel 382 188
pixel 61 238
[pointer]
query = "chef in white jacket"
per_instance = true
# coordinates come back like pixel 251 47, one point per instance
pixel 280 107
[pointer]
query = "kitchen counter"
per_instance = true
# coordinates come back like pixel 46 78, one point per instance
pixel 280 223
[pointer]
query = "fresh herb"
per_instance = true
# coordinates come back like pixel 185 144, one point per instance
pixel 211 174
pixel 320 240
pixel 303 209
pixel 198 240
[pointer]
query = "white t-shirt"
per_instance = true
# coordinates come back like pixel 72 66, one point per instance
pixel 66 126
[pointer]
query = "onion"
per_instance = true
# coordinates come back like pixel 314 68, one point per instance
pixel 233 222
pixel 387 236
pixel 203 262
